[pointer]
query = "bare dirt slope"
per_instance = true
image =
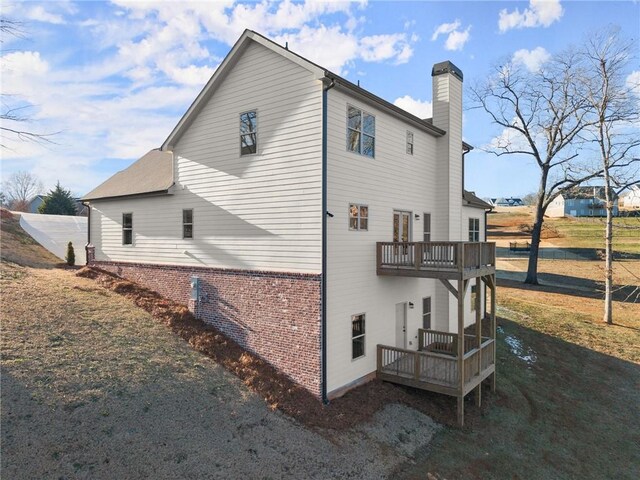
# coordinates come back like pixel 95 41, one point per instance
pixel 16 246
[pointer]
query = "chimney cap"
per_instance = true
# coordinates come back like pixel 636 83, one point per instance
pixel 446 67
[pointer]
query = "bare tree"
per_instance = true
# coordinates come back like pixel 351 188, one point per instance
pixel 13 117
pixel 541 114
pixel 20 189
pixel 616 111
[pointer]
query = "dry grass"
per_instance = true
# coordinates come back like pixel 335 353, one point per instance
pixel 19 248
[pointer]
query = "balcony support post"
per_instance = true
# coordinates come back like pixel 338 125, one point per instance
pixel 478 338
pixel 462 290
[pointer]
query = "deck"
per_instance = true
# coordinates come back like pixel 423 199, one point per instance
pixel 443 260
pixel 435 366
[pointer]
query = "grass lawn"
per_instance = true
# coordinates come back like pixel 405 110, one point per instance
pixel 579 232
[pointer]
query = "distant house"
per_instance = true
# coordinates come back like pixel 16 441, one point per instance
pixel 631 198
pixel 505 202
pixel 581 202
pixel 36 201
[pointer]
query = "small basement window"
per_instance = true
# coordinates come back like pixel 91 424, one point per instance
pixel 127 228
pixel 187 223
pixel 248 133
pixel 357 336
pixel 358 217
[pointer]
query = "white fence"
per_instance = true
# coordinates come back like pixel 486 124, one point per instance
pixel 53 232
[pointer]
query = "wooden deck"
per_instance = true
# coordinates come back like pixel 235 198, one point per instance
pixel 437 372
pixel 443 260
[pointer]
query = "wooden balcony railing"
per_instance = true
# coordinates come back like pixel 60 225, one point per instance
pixel 435 371
pixel 444 342
pixel 455 257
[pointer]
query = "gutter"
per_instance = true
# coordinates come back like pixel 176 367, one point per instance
pixel 323 277
pixel 86 204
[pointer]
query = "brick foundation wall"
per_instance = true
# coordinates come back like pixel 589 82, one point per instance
pixel 274 315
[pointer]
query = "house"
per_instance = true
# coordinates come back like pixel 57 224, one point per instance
pixel 631 198
pixel 318 225
pixel 581 202
pixel 506 202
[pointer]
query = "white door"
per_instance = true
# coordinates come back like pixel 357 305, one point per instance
pixel 401 325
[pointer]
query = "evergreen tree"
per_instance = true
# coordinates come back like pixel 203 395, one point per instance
pixel 71 255
pixel 59 201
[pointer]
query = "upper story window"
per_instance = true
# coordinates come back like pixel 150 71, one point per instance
pixel 409 142
pixel 358 217
pixel 361 132
pixel 426 227
pixel 474 229
pixel 127 228
pixel 187 223
pixel 248 133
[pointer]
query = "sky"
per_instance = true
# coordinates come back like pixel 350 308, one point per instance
pixel 111 79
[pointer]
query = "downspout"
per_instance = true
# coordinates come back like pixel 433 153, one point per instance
pixel 88 231
pixel 323 277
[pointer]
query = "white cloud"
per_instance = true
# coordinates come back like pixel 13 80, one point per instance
pixel 445 29
pixel 633 82
pixel 540 13
pixel 118 91
pixel 39 14
pixel 421 109
pixel 531 59
pixel 456 38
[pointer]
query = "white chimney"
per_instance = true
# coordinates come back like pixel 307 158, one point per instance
pixel 447 115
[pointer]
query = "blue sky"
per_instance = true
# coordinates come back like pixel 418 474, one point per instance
pixel 113 78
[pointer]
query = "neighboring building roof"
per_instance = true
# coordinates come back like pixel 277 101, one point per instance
pixel 153 173
pixel 473 201
pixel 320 72
pixel 585 192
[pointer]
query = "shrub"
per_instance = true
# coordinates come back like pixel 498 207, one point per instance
pixel 71 255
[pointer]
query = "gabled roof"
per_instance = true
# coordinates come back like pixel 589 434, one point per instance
pixel 585 192
pixel 473 201
pixel 321 73
pixel 153 173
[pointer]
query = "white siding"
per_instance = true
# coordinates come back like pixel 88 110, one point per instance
pixel 260 211
pixel 391 180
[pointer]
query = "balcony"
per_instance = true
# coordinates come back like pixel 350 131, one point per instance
pixel 436 365
pixel 443 260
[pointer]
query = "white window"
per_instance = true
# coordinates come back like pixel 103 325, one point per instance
pixel 474 229
pixel 248 133
pixel 426 313
pixel 127 228
pixel 187 223
pixel 357 336
pixel 361 132
pixel 358 217
pixel 426 227
pixel 409 142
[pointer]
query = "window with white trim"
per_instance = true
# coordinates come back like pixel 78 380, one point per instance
pixel 357 336
pixel 127 228
pixel 248 133
pixel 474 229
pixel 426 227
pixel 187 223
pixel 426 313
pixel 361 132
pixel 358 217
pixel 409 142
